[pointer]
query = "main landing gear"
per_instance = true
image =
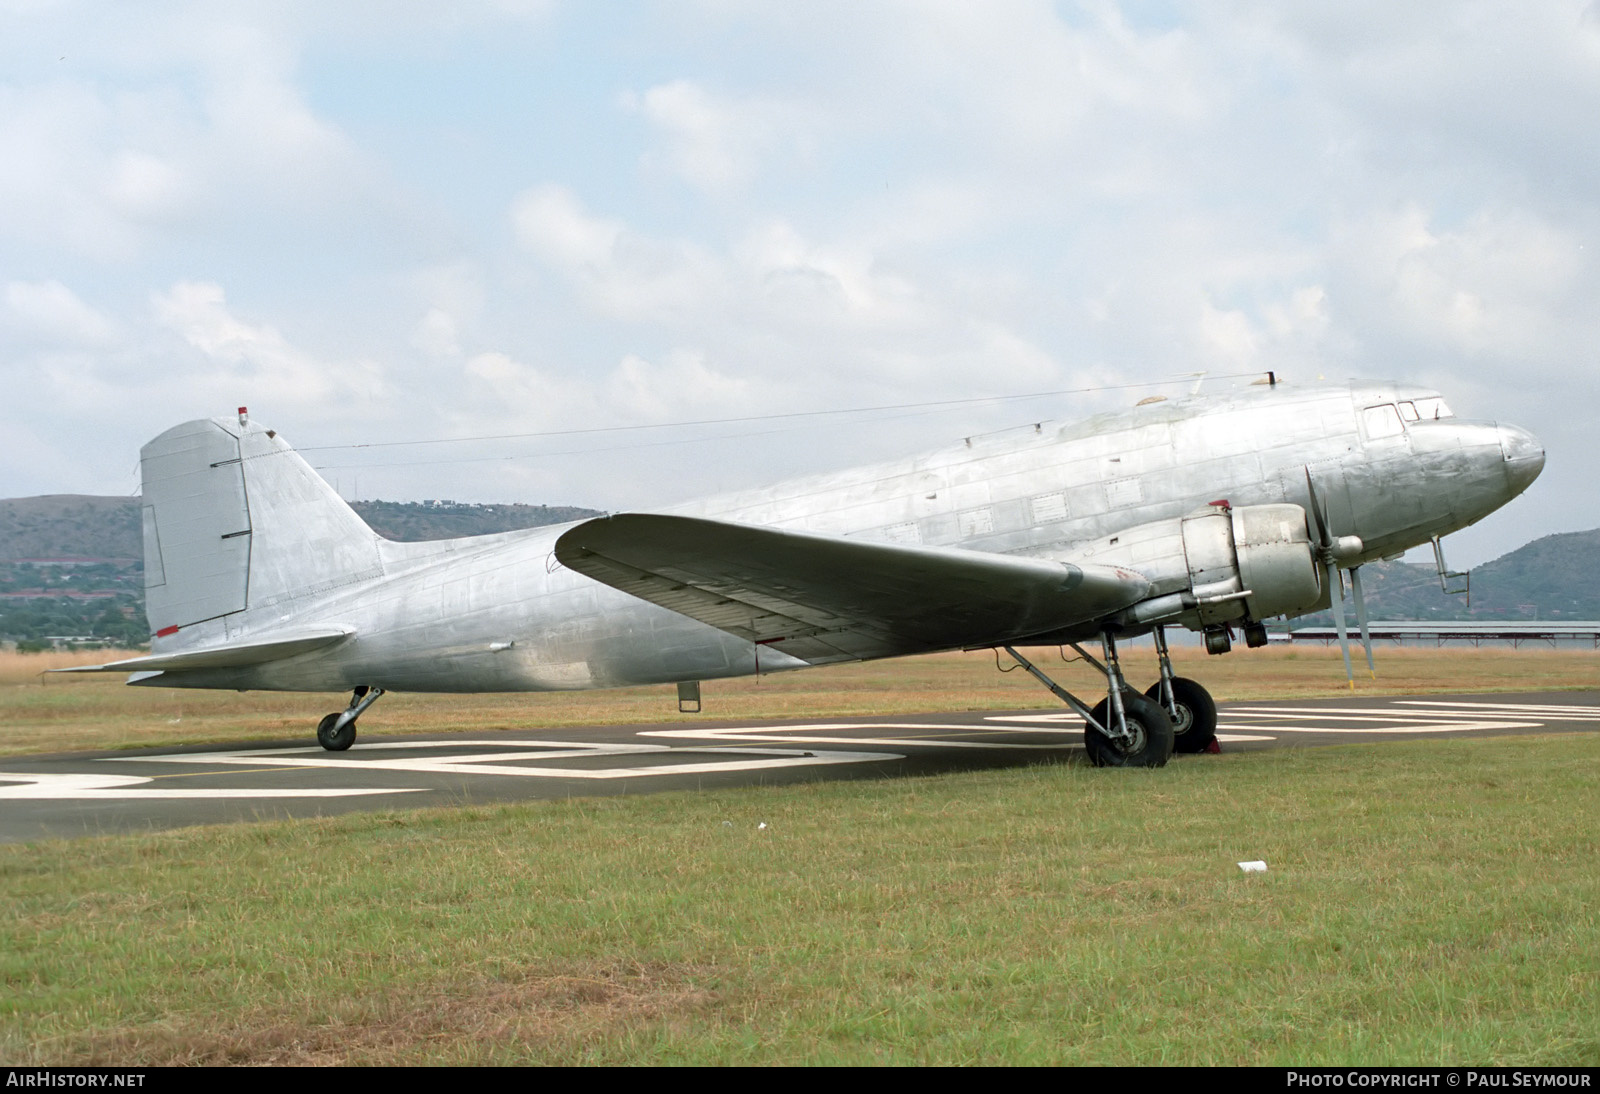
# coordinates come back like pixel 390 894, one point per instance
pixel 1190 706
pixel 1126 729
pixel 337 731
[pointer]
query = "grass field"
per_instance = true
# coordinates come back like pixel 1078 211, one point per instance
pixel 1426 902
pixel 49 713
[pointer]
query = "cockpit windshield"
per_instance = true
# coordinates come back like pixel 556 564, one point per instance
pixel 1391 419
pixel 1427 410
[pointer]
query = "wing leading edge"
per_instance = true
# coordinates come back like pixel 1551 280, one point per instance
pixel 823 598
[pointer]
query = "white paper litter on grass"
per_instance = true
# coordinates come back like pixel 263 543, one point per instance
pixel 1256 867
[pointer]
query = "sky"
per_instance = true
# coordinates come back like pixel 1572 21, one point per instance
pixel 544 236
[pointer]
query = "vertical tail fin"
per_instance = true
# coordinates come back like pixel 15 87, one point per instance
pixel 234 519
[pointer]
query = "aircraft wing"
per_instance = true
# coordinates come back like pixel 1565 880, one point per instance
pixel 825 598
pixel 229 655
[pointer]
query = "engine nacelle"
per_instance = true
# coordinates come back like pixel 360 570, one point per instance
pixel 1218 565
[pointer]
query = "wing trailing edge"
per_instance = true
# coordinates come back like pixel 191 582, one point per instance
pixel 826 598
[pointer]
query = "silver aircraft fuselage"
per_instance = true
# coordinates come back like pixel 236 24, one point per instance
pixel 500 613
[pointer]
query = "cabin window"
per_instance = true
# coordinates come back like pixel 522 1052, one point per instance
pixel 1121 492
pixel 1049 507
pixel 976 522
pixel 1381 421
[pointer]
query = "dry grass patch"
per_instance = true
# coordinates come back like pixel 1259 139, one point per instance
pixel 26 668
pixel 536 1017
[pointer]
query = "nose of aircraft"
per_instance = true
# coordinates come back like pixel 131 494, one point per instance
pixel 1524 456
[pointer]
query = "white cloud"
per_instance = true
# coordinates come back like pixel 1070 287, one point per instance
pixel 1016 85
pixel 718 143
pixel 683 387
pixel 810 282
pixel 1490 287
pixel 551 222
pixel 261 134
pixel 144 187
pixel 620 274
pixel 255 358
pixel 51 164
pixel 452 299
pixel 880 203
pixel 203 125
pixel 1286 335
pixel 437 335
pixel 52 312
pixel 775 304
pixel 1504 285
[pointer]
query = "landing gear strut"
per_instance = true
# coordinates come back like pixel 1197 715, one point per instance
pixel 337 731
pixel 1125 729
pixel 1190 707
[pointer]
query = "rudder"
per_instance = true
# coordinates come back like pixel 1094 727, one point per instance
pixel 234 519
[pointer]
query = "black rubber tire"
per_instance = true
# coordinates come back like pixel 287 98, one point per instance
pixel 1196 725
pixel 1150 725
pixel 336 742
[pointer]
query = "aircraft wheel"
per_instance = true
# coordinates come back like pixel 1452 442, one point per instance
pixel 1195 727
pixel 1152 733
pixel 332 740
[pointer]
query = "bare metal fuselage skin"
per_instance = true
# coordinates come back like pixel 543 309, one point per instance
pixel 499 613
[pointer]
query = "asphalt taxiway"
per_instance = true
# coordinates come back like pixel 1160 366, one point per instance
pixel 76 794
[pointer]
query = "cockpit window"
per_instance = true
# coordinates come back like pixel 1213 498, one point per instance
pixel 1408 411
pixel 1433 409
pixel 1381 421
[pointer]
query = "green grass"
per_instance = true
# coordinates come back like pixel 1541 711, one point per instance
pixel 1428 902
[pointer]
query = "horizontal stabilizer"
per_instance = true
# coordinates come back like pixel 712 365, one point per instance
pixel 826 598
pixel 230 656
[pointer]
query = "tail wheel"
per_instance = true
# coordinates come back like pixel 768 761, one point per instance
pixel 1195 726
pixel 1151 729
pixel 332 736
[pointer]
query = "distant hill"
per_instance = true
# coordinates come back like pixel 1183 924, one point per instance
pixel 412 521
pixel 1553 577
pixel 1549 578
pixel 73 564
pixel 57 525
pixel 87 525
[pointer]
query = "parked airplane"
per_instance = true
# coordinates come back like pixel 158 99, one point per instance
pixel 1214 514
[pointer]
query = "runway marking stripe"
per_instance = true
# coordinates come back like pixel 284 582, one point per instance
pixel 1063 716
pixel 785 734
pixel 292 750
pixel 1398 727
pixel 491 763
pixel 1336 714
pixel 1567 713
pixel 203 774
pixel 98 787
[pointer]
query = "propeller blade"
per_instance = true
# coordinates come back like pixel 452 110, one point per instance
pixel 1336 594
pixel 1319 515
pixel 1361 618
